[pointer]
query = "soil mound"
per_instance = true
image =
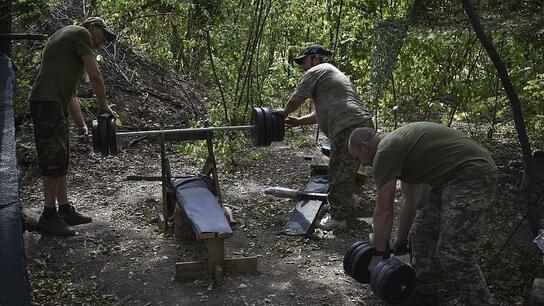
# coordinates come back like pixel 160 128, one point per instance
pixel 141 91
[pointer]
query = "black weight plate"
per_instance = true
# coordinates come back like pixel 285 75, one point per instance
pixel 96 137
pixel 348 253
pixel 275 127
pixel 263 136
pixel 360 262
pixel 279 128
pixel 112 139
pixel 382 279
pixel 282 128
pixel 398 284
pixel 349 268
pixel 377 276
pixel 103 135
pixel 260 127
pixel 253 121
pixel 269 125
pixel 374 274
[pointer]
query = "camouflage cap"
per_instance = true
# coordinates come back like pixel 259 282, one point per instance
pixel 110 35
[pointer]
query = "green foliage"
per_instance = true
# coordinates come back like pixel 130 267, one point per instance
pixel 435 69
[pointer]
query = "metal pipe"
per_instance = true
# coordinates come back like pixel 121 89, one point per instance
pixel 187 131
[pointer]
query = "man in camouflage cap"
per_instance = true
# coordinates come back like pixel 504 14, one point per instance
pixel 338 110
pixel 445 231
pixel 67 54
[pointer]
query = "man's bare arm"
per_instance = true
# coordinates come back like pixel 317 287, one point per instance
pixel 75 112
pixel 383 215
pixel 97 82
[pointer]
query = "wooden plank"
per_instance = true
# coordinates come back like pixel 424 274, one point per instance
pixel 218 274
pixel 241 265
pixel 212 236
pixel 224 235
pixel 216 252
pixel 302 218
pixel 206 236
pixel 190 270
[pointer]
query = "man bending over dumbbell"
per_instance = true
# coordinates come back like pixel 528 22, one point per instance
pixel 338 110
pixel 67 53
pixel 445 232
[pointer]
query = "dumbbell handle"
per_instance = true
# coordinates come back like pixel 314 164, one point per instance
pixel 388 250
pixel 187 131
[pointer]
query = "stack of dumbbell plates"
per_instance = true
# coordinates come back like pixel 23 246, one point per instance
pixel 356 260
pixel 393 281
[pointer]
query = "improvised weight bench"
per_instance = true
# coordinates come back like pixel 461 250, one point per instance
pixel 194 204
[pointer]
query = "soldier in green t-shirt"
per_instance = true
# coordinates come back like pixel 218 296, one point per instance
pixel 68 53
pixel 445 232
pixel 338 110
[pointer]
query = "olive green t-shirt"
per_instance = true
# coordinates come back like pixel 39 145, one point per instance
pixel 62 67
pixel 427 152
pixel 337 105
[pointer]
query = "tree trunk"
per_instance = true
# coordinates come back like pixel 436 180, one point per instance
pixel 505 79
pixel 533 174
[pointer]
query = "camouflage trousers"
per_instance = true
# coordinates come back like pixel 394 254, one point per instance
pixel 445 236
pixel 342 174
pixel 51 137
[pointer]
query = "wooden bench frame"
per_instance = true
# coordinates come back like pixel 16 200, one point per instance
pixel 216 264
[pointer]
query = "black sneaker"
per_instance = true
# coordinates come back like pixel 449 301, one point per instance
pixel 72 217
pixel 55 225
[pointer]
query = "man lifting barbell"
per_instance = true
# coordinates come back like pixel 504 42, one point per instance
pixel 445 232
pixel 338 110
pixel 67 53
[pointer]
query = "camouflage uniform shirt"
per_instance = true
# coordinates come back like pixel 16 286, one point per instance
pixel 337 104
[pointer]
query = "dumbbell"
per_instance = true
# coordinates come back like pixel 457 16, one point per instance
pixel 392 280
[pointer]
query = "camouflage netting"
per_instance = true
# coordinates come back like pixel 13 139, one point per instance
pixel 387 41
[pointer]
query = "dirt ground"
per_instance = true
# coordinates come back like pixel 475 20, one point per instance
pixel 122 258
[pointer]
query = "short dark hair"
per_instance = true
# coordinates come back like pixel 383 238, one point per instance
pixel 364 134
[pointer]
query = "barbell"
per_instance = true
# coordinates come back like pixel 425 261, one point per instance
pixel 265 127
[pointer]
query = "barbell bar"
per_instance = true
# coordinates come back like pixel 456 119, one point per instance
pixel 266 127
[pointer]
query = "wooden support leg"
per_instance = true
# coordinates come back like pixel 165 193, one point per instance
pixel 216 257
pixel 168 199
pixel 216 266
